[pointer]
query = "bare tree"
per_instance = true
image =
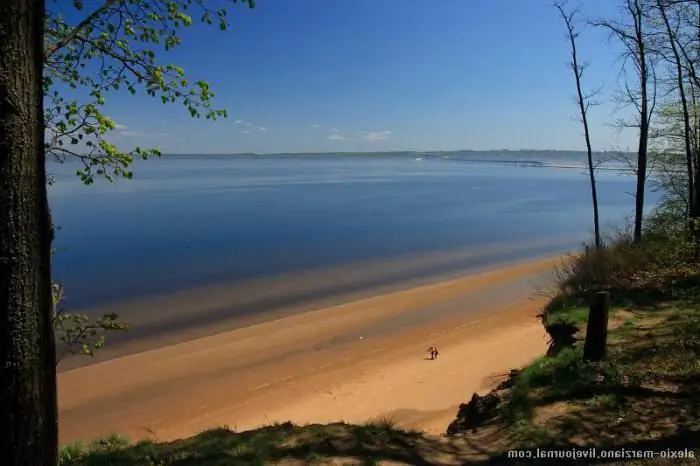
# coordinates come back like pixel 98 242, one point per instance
pixel 28 406
pixel 673 41
pixel 584 103
pixel 691 9
pixel 688 14
pixel 634 40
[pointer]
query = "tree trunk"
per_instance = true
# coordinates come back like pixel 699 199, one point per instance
pixel 589 149
pixel 643 133
pixel 641 180
pixel 28 406
pixel 583 104
pixel 687 136
pixel 595 346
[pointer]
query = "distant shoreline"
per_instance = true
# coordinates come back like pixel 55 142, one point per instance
pixel 491 157
pixel 515 153
pixel 569 159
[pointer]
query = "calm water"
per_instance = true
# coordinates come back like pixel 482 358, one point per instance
pixel 187 221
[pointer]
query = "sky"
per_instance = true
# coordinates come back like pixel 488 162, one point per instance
pixel 384 75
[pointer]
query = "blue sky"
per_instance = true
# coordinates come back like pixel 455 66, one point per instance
pixel 376 75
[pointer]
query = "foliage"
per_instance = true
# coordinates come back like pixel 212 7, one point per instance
pixel 115 47
pixel 565 375
pixel 668 156
pixel 626 269
pixel 643 395
pixel 338 443
pixel 78 333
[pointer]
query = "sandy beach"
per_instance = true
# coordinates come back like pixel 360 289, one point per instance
pixel 353 361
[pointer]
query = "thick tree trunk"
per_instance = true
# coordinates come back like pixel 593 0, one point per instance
pixel 595 346
pixel 28 412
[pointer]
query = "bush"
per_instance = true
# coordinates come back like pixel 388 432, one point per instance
pixel 622 267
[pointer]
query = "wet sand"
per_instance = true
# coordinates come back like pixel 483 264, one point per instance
pixel 188 314
pixel 351 361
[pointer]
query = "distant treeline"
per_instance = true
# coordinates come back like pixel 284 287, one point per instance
pixel 486 156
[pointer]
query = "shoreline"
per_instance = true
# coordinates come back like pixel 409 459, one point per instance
pixel 207 310
pixel 280 369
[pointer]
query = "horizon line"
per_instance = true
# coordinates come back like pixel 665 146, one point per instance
pixel 397 152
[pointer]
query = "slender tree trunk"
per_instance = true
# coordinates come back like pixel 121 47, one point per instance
pixel 583 104
pixel 643 128
pixel 589 149
pixel 28 411
pixel 591 167
pixel 696 194
pixel 641 175
pixel 686 116
pixel 695 136
pixel 695 127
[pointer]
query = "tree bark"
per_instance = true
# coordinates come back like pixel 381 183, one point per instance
pixel 643 121
pixel 28 406
pixel 595 346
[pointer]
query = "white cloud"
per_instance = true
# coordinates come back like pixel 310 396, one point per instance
pixel 373 136
pixel 414 138
pixel 314 126
pixel 120 127
pixel 138 134
pixel 243 122
pixel 246 132
pixel 250 124
pixel 338 137
pixel 335 130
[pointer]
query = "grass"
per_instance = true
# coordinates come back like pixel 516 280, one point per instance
pixel 339 443
pixel 573 315
pixel 644 395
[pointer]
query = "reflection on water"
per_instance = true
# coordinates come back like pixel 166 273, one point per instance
pixel 188 221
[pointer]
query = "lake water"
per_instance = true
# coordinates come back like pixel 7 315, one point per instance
pixel 186 221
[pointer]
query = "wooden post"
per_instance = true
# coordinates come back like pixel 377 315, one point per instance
pixel 597 330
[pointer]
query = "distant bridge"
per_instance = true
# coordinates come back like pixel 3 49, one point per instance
pixel 517 163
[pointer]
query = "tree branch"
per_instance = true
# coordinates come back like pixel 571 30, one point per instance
pixel 79 28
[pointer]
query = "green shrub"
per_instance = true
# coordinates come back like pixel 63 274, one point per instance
pixel 624 268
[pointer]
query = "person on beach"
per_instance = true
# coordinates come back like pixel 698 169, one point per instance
pixel 433 352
